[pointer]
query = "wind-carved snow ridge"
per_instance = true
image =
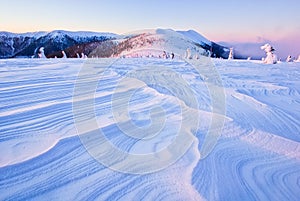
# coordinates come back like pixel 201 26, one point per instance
pixel 173 116
pixel 258 153
pixel 140 106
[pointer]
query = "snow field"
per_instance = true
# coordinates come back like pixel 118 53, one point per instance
pixel 44 155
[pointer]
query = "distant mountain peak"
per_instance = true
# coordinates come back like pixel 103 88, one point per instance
pixel 195 36
pixel 78 42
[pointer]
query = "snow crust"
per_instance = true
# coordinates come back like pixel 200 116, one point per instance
pixel 257 156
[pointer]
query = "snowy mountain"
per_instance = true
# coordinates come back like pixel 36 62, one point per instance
pixel 152 43
pixel 139 43
pixel 196 37
pixel 26 44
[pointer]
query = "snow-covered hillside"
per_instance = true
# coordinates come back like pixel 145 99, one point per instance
pixel 57 115
pixel 74 43
pixel 195 36
pixel 27 44
pixel 24 35
pixel 154 42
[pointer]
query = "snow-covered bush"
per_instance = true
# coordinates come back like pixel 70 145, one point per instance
pixel 271 57
pixel 41 53
pixel 230 54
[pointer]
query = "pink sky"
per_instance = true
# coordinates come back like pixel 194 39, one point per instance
pixel 230 20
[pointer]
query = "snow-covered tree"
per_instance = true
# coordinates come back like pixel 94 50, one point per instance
pixel 289 59
pixel 188 54
pixel 172 55
pixel 41 53
pixel 83 56
pixel 230 54
pixel 164 55
pixel 64 54
pixel 271 57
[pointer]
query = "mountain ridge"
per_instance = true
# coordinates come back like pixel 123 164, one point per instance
pixel 14 45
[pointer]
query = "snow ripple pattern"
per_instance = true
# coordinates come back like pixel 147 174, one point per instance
pixel 258 155
pixel 256 158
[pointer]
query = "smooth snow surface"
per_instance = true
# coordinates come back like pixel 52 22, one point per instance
pixel 195 36
pixel 44 156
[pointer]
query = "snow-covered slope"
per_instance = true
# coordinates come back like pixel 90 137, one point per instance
pixel 58 33
pixel 45 156
pixel 196 37
pixel 216 49
pixel 179 41
pixel 73 43
pixel 81 34
pixel 28 34
pixel 27 44
pixel 154 42
pixel 157 42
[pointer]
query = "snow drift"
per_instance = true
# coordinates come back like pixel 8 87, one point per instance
pixel 256 157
